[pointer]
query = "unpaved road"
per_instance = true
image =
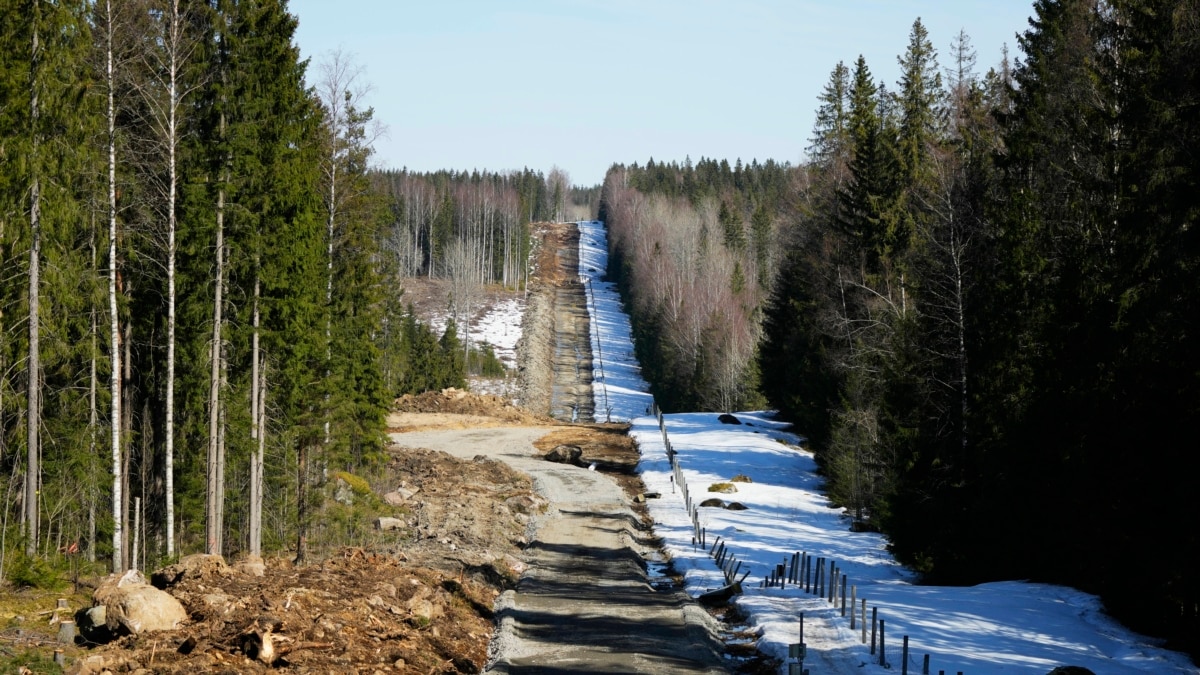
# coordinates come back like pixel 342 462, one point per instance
pixel 585 604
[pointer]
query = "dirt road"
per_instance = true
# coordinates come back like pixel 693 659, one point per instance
pixel 585 605
pixel 555 352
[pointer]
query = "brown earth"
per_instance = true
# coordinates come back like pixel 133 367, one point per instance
pixel 418 600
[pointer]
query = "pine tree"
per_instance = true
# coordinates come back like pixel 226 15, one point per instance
pixel 831 143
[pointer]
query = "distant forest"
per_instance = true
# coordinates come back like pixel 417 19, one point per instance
pixel 977 298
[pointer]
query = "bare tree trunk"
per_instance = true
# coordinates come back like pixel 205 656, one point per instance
pixel 93 419
pixel 213 496
pixel 137 532
pixel 222 437
pixel 256 432
pixel 114 318
pixel 258 460
pixel 32 468
pixel 127 430
pixel 302 504
pixel 329 222
pixel 175 34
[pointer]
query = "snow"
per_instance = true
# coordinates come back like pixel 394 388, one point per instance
pixel 1003 627
pixel 498 324
pixel 617 385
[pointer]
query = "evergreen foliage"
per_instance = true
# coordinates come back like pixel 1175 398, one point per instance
pixel 253 137
pixel 984 319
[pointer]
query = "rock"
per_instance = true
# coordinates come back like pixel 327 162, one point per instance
pixel 741 478
pixel 726 418
pixel 195 566
pixel 725 488
pixel 523 504
pixel 385 523
pixel 95 616
pixel 1070 670
pixel 736 506
pixel 713 501
pixel 424 604
pixel 252 565
pixel 565 454
pixel 220 603
pixel 400 495
pixel 131 605
pixel 91 624
pixel 343 493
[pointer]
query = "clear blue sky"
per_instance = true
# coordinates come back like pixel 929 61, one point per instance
pixel 505 84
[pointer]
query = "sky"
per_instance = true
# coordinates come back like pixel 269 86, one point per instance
pixel 581 84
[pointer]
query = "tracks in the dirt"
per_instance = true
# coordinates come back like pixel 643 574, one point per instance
pixel 571 399
pixel 571 392
pixel 586 604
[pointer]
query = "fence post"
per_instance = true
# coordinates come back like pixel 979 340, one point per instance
pixel 853 602
pixel 925 666
pixel 874 626
pixel 882 658
pixel 844 597
pixel 864 620
pixel 904 652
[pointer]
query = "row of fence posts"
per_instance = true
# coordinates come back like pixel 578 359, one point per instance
pixel 599 357
pixel 678 482
pixel 816 575
pixel 825 579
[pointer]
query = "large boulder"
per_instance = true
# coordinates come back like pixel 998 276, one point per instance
pixel 566 454
pixel 133 606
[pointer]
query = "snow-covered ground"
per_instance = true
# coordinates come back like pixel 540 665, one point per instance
pixel 620 392
pixel 1006 627
pixel 498 325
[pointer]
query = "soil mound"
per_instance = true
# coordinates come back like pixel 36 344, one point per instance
pixel 458 402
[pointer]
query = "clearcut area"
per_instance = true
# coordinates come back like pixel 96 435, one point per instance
pixel 585 604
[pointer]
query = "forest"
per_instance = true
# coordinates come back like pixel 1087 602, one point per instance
pixel 976 297
pixel 201 280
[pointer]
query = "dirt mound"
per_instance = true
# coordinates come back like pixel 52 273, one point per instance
pixel 458 402
pixel 356 612
pixel 419 601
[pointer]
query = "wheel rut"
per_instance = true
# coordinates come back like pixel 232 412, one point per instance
pixel 571 393
pixel 585 604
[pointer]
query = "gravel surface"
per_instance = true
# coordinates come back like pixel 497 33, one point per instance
pixel 585 603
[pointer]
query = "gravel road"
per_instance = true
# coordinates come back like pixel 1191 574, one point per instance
pixel 584 605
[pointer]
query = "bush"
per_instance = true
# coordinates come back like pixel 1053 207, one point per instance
pixel 25 572
pixel 482 361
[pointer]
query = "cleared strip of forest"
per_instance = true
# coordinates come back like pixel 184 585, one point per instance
pixel 555 353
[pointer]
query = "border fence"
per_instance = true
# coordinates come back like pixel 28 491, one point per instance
pixel 816 575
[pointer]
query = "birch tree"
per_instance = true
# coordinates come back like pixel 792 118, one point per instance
pixel 168 52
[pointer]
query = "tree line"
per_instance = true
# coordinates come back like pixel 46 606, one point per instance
pixel 694 252
pixel 200 308
pixel 985 311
